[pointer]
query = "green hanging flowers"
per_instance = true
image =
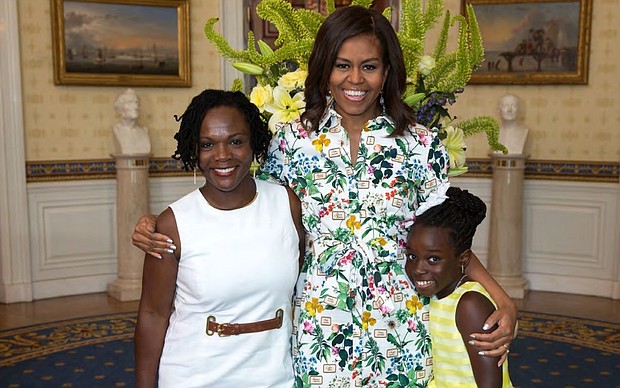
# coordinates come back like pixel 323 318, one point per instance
pixel 434 80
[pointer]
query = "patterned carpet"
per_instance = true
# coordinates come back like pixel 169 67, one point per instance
pixel 550 351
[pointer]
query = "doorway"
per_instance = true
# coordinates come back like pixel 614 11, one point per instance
pixel 268 33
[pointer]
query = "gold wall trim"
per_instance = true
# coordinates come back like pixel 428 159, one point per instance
pixel 59 170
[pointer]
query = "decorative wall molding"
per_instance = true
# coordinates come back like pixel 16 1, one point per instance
pixel 40 171
pixel 70 170
pixel 554 170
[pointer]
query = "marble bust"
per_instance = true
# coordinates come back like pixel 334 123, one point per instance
pixel 129 138
pixel 512 132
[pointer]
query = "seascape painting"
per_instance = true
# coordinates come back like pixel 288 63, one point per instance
pixel 121 42
pixel 119 38
pixel 532 41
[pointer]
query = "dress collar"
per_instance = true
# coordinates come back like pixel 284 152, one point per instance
pixel 380 123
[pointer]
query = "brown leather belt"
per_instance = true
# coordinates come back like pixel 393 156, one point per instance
pixel 228 329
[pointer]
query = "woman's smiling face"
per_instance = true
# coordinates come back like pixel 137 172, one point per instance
pixel 357 78
pixel 225 152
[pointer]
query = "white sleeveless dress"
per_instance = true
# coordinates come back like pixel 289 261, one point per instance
pixel 240 266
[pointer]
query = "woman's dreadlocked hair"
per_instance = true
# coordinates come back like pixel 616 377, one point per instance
pixel 461 212
pixel 191 120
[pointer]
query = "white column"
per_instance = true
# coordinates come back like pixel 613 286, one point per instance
pixel 234 28
pixel 15 276
pixel 505 259
pixel 132 201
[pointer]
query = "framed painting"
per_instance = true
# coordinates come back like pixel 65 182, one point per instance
pixel 533 41
pixel 121 42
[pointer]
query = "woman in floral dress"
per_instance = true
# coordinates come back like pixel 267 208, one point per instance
pixel 361 168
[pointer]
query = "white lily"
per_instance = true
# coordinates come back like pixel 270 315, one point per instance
pixel 284 108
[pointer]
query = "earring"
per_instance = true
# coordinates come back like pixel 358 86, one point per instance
pixel 194 175
pixel 462 269
pixel 382 101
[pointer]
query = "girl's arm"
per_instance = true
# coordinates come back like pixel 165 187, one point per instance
pixel 158 288
pixel 472 310
pixel 505 317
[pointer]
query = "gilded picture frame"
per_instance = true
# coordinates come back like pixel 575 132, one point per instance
pixel 121 42
pixel 533 41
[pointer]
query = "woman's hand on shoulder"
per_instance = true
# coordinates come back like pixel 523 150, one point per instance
pixel 146 239
pixel 497 342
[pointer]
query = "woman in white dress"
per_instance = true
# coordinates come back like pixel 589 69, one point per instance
pixel 216 312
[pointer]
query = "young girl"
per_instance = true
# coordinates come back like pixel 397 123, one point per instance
pixel 438 251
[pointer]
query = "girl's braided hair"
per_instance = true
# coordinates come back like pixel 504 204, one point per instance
pixel 191 121
pixel 461 212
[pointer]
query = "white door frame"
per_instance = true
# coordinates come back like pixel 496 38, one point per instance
pixel 15 275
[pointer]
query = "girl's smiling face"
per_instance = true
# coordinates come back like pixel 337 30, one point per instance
pixel 432 263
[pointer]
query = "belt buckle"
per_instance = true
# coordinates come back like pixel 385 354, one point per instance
pixel 210 318
pixel 220 329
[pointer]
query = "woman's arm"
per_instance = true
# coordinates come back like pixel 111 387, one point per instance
pixel 158 287
pixel 472 310
pixel 148 240
pixel 295 205
pixel 496 342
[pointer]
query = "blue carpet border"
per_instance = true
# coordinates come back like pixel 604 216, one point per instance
pixel 37 340
pixel 33 341
pixel 27 348
pixel 571 330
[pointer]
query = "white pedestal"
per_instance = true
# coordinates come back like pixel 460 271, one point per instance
pixel 506 237
pixel 132 201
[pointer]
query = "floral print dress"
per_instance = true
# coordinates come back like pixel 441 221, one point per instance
pixel 358 321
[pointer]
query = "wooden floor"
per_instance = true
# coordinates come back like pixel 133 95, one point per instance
pixel 48 310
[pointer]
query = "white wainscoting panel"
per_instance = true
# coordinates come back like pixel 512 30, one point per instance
pixel 570 238
pixel 164 191
pixel 73 236
pixel 570 234
pixel 73 232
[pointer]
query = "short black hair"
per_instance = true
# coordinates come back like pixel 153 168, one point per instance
pixel 191 121
pixel 461 212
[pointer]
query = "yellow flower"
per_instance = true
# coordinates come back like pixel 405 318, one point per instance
pixel 455 145
pixel 414 304
pixel 353 224
pixel 426 64
pixel 367 320
pixel 379 240
pixel 261 96
pixel 293 79
pixel 321 142
pixel 284 108
pixel 314 307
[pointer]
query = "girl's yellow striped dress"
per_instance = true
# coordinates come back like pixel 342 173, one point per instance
pixel 451 364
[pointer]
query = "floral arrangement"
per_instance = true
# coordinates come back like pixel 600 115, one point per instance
pixel 433 81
